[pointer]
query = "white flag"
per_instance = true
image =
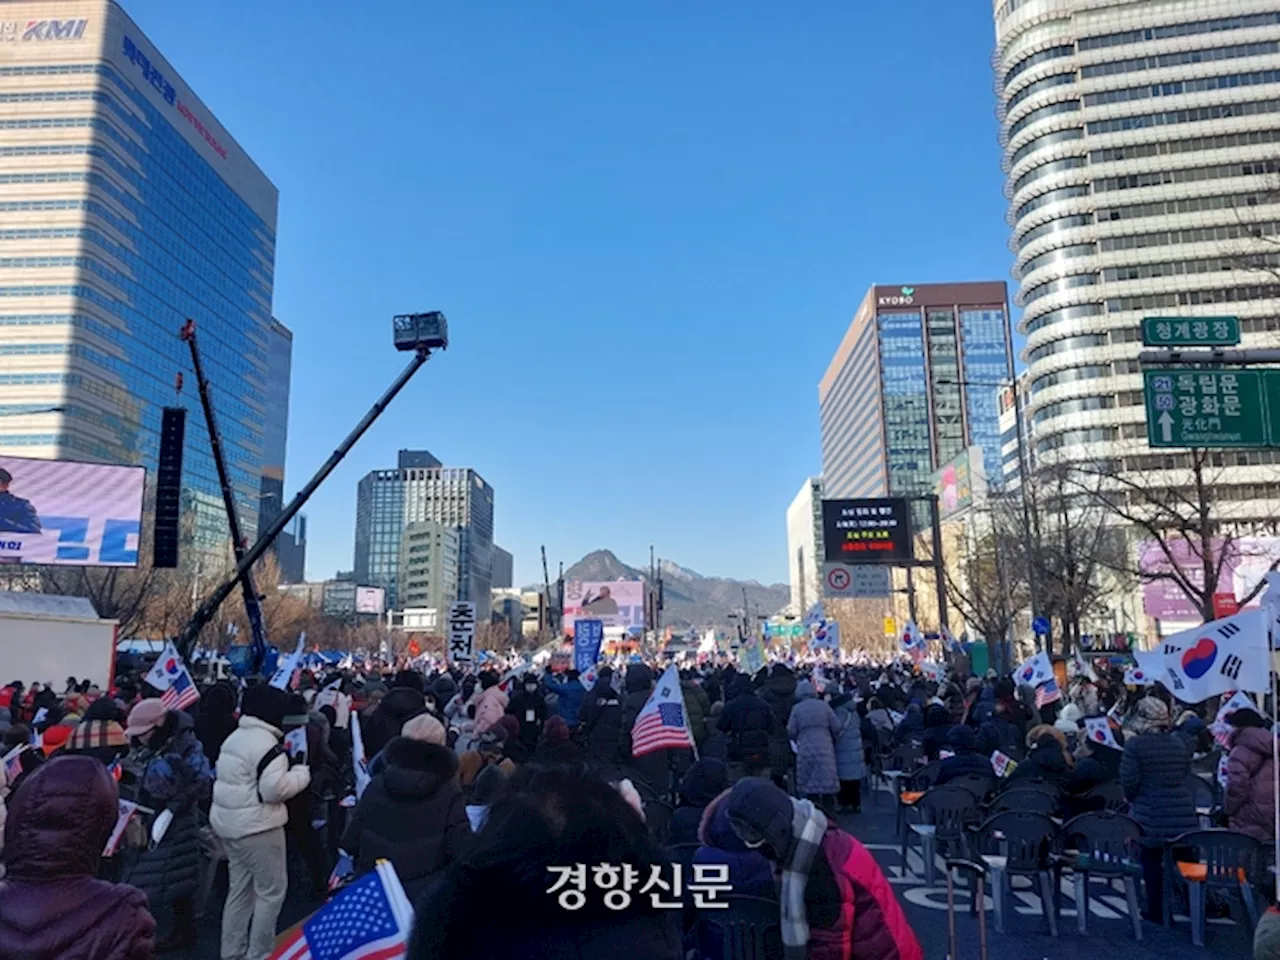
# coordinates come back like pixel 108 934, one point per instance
pixel 1083 668
pixel 158 676
pixel 1149 667
pixel 1098 730
pixel 1037 670
pixel 1221 656
pixel 358 759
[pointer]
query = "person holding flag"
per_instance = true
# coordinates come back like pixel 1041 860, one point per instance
pixel 166 771
pixel 255 778
pixel 660 726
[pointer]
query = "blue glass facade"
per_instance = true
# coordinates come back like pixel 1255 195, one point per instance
pixel 118 223
pixel 986 359
pixel 906 402
pixel 912 385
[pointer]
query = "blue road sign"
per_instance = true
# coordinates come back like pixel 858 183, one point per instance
pixel 1040 626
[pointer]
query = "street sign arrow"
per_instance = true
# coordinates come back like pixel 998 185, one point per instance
pixel 1166 426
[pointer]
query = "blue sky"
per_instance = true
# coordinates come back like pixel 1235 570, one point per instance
pixel 648 223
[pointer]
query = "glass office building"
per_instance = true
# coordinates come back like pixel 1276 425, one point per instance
pixel 1141 151
pixel 418 490
pixel 125 209
pixel 912 385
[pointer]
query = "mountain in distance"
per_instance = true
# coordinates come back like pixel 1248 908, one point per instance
pixel 691 601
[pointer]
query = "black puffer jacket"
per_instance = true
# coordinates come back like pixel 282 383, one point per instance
pixel 1153 771
pixel 177 778
pixel 396 707
pixel 412 814
pixel 748 721
pixel 601 719
pixel 638 685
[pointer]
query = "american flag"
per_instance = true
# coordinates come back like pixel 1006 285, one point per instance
pixel 170 677
pixel 182 693
pixel 662 723
pixel 368 920
pixel 1047 692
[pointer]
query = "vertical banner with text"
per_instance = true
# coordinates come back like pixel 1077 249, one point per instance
pixel 462 632
pixel 587 637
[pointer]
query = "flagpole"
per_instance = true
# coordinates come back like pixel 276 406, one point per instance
pixel 1275 792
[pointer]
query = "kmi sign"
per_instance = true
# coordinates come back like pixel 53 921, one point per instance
pixel 30 31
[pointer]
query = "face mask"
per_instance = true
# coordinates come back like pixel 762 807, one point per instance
pixel 531 687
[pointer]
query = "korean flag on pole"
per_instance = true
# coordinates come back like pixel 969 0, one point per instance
pixel 1035 671
pixel 1149 667
pixel 1223 655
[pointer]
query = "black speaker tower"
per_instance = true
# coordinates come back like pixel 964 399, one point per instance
pixel 164 544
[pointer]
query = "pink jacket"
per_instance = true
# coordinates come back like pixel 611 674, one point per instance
pixel 872 925
pixel 1250 797
pixel 489 709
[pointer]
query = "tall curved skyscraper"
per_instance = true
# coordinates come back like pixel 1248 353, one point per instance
pixel 1141 144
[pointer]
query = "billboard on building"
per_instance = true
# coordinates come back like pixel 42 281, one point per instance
pixel 616 603
pixel 1248 559
pixel 960 482
pixel 68 513
pixel 371 599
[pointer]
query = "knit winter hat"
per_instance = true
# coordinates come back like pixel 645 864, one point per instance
pixel 1151 716
pixel 266 703
pixel 424 727
pixel 1266 938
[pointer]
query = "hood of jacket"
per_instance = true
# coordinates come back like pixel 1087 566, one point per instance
pixel 704 781
pixel 415 769
pixel 715 830
pixel 218 699
pixel 782 682
pixel 741 686
pixel 59 821
pixel 937 716
pixel 402 703
pixel 639 678
pixel 805 690
pixel 766 809
pixel 1255 740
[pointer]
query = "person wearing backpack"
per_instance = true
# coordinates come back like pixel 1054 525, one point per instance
pixel 255 778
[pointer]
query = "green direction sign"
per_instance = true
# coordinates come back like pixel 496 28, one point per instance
pixel 1190 331
pixel 1209 408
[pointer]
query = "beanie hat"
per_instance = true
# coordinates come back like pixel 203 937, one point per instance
pixel 411 679
pixel 556 730
pixel 296 712
pixel 425 728
pixel 488 782
pixel 510 725
pixel 265 703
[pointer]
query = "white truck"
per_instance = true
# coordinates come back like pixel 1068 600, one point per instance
pixel 46 639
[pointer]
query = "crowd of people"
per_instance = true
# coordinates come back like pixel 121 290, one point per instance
pixel 476 783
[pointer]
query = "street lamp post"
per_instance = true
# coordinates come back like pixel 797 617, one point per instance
pixel 1024 477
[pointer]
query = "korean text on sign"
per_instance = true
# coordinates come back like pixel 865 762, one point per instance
pixel 462 631
pixel 617 881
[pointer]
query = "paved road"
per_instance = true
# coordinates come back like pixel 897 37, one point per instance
pixel 1027 937
pixel 1110 931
